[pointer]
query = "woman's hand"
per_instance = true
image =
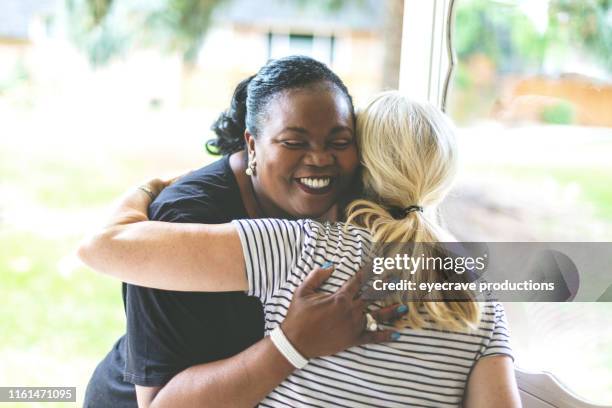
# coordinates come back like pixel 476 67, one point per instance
pixel 152 189
pixel 155 186
pixel 320 324
pixel 118 241
pixel 133 206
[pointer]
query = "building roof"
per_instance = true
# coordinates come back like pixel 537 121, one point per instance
pixel 16 15
pixel 362 15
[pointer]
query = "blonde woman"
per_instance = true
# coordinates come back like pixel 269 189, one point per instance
pixel 446 354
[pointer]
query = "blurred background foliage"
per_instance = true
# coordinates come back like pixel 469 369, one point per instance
pixel 104 29
pixel 514 40
pixel 534 40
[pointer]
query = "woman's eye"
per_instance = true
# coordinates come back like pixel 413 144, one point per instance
pixel 341 144
pixel 294 144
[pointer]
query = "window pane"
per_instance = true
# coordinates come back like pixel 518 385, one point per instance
pixel 532 96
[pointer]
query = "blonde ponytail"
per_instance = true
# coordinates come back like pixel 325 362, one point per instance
pixel 409 158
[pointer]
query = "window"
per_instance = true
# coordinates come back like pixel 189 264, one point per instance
pixel 321 47
pixel 301 43
pixel 531 93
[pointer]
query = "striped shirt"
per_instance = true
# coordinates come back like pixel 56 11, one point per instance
pixel 428 367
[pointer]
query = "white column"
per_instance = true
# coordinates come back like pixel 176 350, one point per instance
pixel 426 57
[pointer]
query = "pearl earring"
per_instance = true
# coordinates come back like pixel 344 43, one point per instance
pixel 250 171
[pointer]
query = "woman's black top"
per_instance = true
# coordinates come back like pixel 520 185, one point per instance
pixel 169 331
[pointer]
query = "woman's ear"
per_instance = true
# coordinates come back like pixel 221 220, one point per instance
pixel 252 162
pixel 249 140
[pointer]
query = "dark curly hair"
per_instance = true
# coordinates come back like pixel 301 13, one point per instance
pixel 253 94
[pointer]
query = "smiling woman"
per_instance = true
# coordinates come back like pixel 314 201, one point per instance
pixel 289 152
pixel 298 130
pixel 306 153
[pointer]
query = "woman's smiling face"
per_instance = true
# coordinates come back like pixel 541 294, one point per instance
pixel 305 153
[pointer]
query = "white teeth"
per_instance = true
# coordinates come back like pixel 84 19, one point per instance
pixel 316 182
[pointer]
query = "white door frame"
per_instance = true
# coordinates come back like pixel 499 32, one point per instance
pixel 427 57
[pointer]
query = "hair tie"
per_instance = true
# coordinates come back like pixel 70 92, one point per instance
pixel 401 213
pixel 412 208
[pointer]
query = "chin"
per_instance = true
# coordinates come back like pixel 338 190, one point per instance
pixel 311 207
pixel 313 213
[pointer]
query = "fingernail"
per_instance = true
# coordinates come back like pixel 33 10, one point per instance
pixel 401 309
pixel 327 265
pixel 395 336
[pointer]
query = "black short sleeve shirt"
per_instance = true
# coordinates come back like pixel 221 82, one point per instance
pixel 168 331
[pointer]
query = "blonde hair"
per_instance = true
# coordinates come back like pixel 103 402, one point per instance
pixel 409 157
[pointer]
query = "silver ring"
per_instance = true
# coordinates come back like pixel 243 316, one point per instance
pixel 371 323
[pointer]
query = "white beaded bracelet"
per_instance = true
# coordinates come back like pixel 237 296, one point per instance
pixel 286 348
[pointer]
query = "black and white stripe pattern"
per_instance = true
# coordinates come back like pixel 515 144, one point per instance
pixel 424 368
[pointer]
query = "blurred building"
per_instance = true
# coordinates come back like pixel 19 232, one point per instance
pixel 35 53
pixel 19 19
pixel 247 33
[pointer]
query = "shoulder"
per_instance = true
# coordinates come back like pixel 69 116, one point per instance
pixel 337 234
pixel 337 241
pixel 492 314
pixel 204 195
pixel 304 233
pixel 215 178
pixel 494 327
pixel 270 231
pixel 325 231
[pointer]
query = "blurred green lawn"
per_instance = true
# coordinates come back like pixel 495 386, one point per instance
pixel 59 318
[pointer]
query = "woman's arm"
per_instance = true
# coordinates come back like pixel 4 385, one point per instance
pixel 129 245
pixel 246 378
pixel 492 384
pixel 238 381
pixel 164 255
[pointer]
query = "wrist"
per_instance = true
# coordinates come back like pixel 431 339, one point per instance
pixel 293 335
pixel 287 349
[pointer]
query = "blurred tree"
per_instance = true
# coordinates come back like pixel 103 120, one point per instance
pixel 524 37
pixel 504 33
pixel 105 29
pixel 584 24
pixel 501 31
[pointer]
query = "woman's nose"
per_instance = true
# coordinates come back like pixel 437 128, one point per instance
pixel 320 158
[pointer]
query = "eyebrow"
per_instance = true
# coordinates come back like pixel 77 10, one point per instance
pixel 296 129
pixel 303 131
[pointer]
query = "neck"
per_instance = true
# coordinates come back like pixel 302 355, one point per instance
pixel 266 208
pixel 255 202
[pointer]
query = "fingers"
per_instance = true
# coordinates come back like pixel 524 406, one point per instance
pixel 315 279
pixel 351 287
pixel 360 304
pixel 381 336
pixel 386 314
pixel 156 185
pixel 389 313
